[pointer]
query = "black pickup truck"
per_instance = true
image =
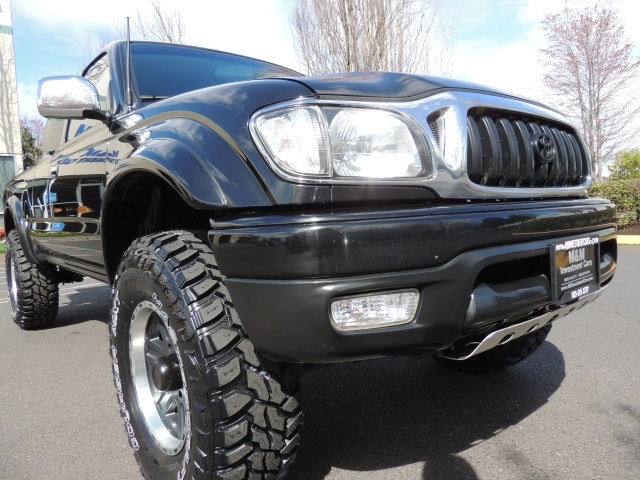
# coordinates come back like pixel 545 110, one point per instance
pixel 255 223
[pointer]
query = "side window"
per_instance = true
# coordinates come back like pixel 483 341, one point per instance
pixel 53 135
pixel 99 74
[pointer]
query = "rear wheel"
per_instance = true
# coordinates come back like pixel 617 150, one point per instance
pixel 502 356
pixel 197 400
pixel 33 292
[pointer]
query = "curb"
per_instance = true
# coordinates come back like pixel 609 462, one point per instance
pixel 628 239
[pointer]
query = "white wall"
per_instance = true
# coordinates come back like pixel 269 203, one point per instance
pixel 10 143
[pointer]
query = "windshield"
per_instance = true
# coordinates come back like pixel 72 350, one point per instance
pixel 164 70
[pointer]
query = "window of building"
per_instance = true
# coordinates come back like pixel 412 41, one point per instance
pixel 7 172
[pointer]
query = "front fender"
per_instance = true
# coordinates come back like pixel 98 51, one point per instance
pixel 196 158
pixel 212 123
pixel 14 206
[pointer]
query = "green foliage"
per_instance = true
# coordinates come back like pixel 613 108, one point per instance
pixel 30 152
pixel 625 194
pixel 31 131
pixel 626 165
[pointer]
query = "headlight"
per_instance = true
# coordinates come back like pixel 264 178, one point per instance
pixel 373 144
pixel 341 143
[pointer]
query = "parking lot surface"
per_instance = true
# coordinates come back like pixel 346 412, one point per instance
pixel 571 411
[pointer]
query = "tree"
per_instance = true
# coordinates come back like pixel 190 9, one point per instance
pixel 371 35
pixel 626 165
pixel 155 24
pixel 31 130
pixel 591 68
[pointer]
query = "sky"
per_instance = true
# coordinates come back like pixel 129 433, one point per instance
pixel 496 42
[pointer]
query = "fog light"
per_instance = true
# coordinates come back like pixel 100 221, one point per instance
pixel 383 309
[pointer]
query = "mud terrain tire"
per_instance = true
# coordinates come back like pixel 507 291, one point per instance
pixel 231 416
pixel 33 292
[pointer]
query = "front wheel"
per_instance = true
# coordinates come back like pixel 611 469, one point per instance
pixel 33 291
pixel 196 399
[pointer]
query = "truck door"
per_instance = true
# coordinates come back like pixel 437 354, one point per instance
pixel 77 182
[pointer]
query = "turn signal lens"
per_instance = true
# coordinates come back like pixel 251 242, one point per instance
pixel 295 139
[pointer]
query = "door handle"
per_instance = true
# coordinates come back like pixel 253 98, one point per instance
pixel 54 171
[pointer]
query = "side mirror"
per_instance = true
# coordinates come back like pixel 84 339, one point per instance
pixel 68 97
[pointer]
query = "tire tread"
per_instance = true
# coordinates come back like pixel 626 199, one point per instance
pixel 39 296
pixel 254 421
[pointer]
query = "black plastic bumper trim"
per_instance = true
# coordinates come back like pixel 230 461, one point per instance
pixel 287 320
pixel 343 243
pixel 489 302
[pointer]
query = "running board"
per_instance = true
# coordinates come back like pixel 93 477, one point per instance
pixel 505 335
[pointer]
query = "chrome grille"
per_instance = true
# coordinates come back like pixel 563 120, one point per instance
pixel 506 149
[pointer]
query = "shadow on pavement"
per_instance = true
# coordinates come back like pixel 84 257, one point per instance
pixel 388 413
pixel 84 305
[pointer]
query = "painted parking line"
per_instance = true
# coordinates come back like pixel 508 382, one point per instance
pixel 66 290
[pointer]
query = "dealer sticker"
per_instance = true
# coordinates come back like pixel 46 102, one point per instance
pixel 575 268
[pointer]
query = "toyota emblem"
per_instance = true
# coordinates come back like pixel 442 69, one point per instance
pixel 546 148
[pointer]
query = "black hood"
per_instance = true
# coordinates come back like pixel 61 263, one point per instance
pixel 386 86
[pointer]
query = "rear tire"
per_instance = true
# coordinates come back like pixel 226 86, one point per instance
pixel 33 292
pixel 231 416
pixel 502 356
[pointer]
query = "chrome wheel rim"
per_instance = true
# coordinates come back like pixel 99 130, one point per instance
pixel 13 286
pixel 162 399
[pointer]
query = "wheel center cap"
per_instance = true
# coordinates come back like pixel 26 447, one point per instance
pixel 165 373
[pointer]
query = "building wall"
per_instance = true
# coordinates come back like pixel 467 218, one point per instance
pixel 10 142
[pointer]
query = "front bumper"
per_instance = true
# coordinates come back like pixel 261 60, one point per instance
pixel 282 272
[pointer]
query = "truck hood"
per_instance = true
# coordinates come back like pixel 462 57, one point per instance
pixel 384 86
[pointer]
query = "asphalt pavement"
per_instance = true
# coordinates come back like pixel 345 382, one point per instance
pixel 571 411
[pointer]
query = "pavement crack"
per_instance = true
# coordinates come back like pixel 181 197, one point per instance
pixel 617 311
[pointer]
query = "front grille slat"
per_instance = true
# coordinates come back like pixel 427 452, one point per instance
pixel 525 149
pixel 542 169
pixel 571 158
pixel 552 168
pixel 581 160
pixel 474 152
pixel 509 144
pixel 491 151
pixel 563 157
pixel 553 174
pixel 510 149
